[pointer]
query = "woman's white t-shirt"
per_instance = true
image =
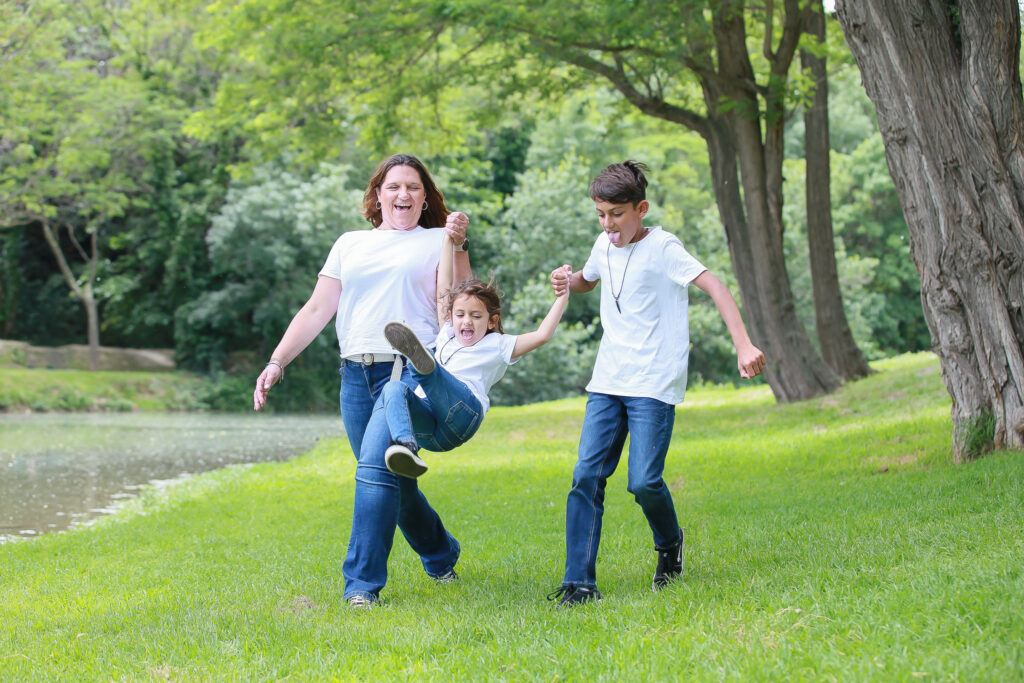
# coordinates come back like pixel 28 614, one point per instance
pixel 645 348
pixel 385 275
pixel 479 366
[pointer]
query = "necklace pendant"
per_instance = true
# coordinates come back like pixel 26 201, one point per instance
pixel 617 307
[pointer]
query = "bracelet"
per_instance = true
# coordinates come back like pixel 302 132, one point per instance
pixel 274 361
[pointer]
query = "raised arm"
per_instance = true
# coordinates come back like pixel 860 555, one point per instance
pixel 304 327
pixel 456 226
pixel 445 277
pixel 749 359
pixel 533 340
pixel 563 281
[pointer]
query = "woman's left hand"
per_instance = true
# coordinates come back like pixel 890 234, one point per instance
pixel 456 227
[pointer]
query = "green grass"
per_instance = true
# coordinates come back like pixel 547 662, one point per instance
pixel 81 390
pixel 827 540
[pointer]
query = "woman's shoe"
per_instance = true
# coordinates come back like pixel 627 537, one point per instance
pixel 405 341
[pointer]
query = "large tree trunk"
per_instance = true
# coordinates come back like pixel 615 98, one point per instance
pixel 754 221
pixel 943 77
pixel 838 347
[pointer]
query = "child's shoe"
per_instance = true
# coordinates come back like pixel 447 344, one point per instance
pixel 670 563
pixel 403 461
pixel 572 595
pixel 405 341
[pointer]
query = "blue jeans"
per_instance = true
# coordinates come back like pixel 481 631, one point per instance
pixel 382 498
pixel 448 416
pixel 607 421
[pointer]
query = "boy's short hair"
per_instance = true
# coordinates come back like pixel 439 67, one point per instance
pixel 621 183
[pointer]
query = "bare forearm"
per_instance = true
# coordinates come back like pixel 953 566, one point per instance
pixel 461 267
pixel 581 285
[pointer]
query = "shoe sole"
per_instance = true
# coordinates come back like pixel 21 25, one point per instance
pixel 404 462
pixel 405 341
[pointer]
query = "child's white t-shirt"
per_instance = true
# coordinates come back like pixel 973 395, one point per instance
pixel 479 366
pixel 385 275
pixel 645 348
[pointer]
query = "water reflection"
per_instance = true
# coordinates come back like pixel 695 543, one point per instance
pixel 59 470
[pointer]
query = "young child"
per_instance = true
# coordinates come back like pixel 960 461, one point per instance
pixel 472 354
pixel 639 375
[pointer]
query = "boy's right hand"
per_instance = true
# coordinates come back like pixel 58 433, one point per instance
pixel 560 278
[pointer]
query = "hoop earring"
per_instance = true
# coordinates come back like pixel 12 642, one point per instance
pixel 424 205
pixel 377 205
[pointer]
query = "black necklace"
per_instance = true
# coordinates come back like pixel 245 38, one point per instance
pixel 622 282
pixel 445 346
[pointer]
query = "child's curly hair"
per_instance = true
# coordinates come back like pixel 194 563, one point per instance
pixel 486 292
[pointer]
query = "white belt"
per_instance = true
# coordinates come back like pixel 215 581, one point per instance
pixel 371 358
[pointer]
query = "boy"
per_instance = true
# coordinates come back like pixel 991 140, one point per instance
pixel 640 373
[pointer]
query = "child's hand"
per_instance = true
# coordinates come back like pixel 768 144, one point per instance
pixel 750 361
pixel 560 279
pixel 456 225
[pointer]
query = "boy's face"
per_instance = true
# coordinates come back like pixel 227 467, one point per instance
pixel 623 223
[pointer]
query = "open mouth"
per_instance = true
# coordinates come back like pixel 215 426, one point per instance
pixel 466 335
pixel 403 207
pixel 614 237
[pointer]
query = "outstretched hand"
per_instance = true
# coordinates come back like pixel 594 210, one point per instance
pixel 268 378
pixel 560 278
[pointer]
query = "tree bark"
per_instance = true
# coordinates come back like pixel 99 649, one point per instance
pixel 838 347
pixel 943 76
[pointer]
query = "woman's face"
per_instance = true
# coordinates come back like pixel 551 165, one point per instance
pixel 401 197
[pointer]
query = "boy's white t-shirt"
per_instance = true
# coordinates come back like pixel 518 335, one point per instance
pixel 645 348
pixel 479 366
pixel 385 275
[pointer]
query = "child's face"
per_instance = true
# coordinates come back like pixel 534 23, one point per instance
pixel 622 222
pixel 470 320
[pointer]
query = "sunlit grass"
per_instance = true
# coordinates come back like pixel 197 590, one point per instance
pixel 831 539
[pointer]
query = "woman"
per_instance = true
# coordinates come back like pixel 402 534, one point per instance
pixel 372 277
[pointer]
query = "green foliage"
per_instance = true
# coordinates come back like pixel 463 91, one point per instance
pixel 80 390
pixel 853 550
pixel 976 435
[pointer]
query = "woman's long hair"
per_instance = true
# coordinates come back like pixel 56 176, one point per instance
pixel 432 217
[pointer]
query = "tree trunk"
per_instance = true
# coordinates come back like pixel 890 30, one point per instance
pixel 943 77
pixel 795 370
pixel 838 347
pixel 83 292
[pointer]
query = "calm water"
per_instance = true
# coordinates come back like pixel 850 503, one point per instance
pixel 58 471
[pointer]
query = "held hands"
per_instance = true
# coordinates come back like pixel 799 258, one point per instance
pixel 268 378
pixel 456 225
pixel 560 278
pixel 750 361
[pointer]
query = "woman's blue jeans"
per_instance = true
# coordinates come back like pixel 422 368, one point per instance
pixel 607 421
pixel 448 416
pixel 383 500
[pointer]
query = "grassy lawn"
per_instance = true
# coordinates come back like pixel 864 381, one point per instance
pixel 827 540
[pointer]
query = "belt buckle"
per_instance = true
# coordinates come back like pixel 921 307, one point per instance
pixel 363 358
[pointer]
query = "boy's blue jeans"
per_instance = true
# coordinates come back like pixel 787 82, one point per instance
pixel 607 421
pixel 448 416
pixel 382 498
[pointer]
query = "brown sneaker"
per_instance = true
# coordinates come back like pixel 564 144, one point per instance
pixel 405 341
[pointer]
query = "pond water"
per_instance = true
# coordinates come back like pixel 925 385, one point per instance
pixel 63 470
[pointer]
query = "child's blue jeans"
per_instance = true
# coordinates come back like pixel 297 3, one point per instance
pixel 448 416
pixel 607 421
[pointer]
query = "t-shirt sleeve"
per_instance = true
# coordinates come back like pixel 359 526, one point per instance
pixel 681 266
pixel 332 267
pixel 507 346
pixel 591 270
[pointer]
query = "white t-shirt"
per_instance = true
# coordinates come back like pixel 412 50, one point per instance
pixel 385 275
pixel 645 348
pixel 479 366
